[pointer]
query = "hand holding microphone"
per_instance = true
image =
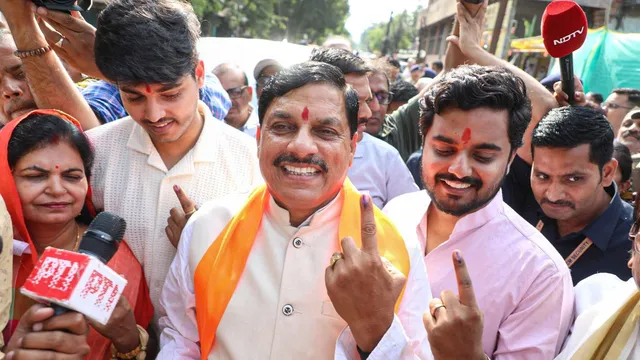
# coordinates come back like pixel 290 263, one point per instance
pixel 41 335
pixel 564 30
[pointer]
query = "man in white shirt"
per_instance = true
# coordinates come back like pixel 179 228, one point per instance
pixel 377 167
pixel 473 122
pixel 171 142
pixel 607 314
pixel 242 115
pixel 255 268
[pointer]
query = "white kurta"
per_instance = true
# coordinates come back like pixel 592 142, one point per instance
pixel 280 309
pixel 130 180
pixel 598 297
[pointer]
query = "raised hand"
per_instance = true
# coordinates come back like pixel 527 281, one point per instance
pixel 454 323
pixel 40 335
pixel 178 216
pixel 364 287
pixel 563 99
pixel 471 27
pixel 72 38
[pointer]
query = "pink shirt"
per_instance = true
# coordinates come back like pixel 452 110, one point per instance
pixel 522 284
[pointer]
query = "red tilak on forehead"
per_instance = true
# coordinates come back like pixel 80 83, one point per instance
pixel 148 88
pixel 57 167
pixel 466 136
pixel 305 114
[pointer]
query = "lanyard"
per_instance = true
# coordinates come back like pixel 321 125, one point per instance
pixel 577 252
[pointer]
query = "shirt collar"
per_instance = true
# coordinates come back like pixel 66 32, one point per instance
pixel 280 216
pixel 360 146
pixel 601 229
pixel 203 150
pixel 471 221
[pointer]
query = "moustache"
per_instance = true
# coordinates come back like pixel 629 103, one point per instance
pixel 19 105
pixel 559 203
pixel 309 160
pixel 633 134
pixel 363 121
pixel 477 183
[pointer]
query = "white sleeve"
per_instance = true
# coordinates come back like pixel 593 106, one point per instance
pixel 398 177
pixel 178 327
pixel 406 338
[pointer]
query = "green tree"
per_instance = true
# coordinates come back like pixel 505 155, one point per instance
pixel 401 35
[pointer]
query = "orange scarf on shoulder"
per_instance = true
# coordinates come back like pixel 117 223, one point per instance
pixel 221 267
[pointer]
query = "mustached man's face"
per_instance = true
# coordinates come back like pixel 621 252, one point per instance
pixel 466 155
pixel 16 99
pixel 305 148
pixel 566 184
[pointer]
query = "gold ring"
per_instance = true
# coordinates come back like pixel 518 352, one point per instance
pixel 337 256
pixel 193 211
pixel 60 41
pixel 435 310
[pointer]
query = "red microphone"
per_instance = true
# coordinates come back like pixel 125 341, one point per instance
pixel 564 30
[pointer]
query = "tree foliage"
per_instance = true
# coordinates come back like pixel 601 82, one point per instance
pixel 402 33
pixel 295 20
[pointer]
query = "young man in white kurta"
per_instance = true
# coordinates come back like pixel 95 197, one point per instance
pixel 130 179
pixel 284 278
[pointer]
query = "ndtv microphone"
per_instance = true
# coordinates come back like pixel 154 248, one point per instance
pixel 564 30
pixel 101 240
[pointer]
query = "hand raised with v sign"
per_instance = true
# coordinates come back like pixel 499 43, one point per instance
pixel 455 323
pixel 364 287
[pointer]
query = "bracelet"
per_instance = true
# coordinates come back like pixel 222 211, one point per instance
pixel 29 53
pixel 138 353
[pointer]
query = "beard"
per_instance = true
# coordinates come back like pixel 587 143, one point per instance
pixel 461 209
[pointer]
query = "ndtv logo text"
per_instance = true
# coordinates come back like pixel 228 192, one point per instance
pixel 564 39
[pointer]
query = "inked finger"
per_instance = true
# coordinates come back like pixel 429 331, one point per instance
pixel 465 287
pixel 368 225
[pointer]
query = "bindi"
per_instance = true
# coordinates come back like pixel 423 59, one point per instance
pixel 466 136
pixel 305 114
pixel 57 167
pixel 148 88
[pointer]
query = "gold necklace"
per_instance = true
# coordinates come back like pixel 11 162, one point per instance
pixel 77 244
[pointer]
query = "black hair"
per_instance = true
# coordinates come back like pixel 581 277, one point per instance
pixel 437 63
pixel 395 63
pixel 403 91
pixel 346 61
pixel 222 69
pixel 596 96
pixel 633 94
pixel 147 41
pixel 622 153
pixel 307 73
pixel 469 87
pixel 571 126
pixel 40 130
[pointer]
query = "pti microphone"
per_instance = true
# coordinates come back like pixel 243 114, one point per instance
pixel 564 30
pixel 101 240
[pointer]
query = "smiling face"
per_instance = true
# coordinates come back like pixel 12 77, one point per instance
pixel 52 189
pixel 305 148
pixel 566 184
pixel 16 95
pixel 166 111
pixel 466 155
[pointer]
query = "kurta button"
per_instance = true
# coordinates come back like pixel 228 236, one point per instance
pixel 287 310
pixel 297 243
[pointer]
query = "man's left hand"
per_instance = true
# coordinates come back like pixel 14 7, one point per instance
pixel 455 323
pixel 363 286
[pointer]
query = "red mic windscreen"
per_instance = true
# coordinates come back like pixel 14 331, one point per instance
pixel 564 28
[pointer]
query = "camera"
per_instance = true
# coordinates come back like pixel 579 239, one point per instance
pixel 474 1
pixel 65 5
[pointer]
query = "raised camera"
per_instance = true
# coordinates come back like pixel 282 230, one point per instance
pixel 65 5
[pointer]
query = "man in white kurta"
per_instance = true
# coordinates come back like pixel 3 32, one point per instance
pixel 280 307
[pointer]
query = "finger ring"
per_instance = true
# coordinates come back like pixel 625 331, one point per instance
pixel 337 256
pixel 60 41
pixel 191 212
pixel 435 310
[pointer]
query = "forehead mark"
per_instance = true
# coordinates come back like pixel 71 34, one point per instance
pixel 148 89
pixel 305 114
pixel 57 167
pixel 466 136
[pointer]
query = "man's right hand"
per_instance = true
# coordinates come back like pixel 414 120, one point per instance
pixel 563 99
pixel 79 36
pixel 471 28
pixel 40 335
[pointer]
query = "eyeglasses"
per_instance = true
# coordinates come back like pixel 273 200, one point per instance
pixel 612 105
pixel 384 97
pixel 263 80
pixel 236 93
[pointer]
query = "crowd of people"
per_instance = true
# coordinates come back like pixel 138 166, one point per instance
pixel 507 228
